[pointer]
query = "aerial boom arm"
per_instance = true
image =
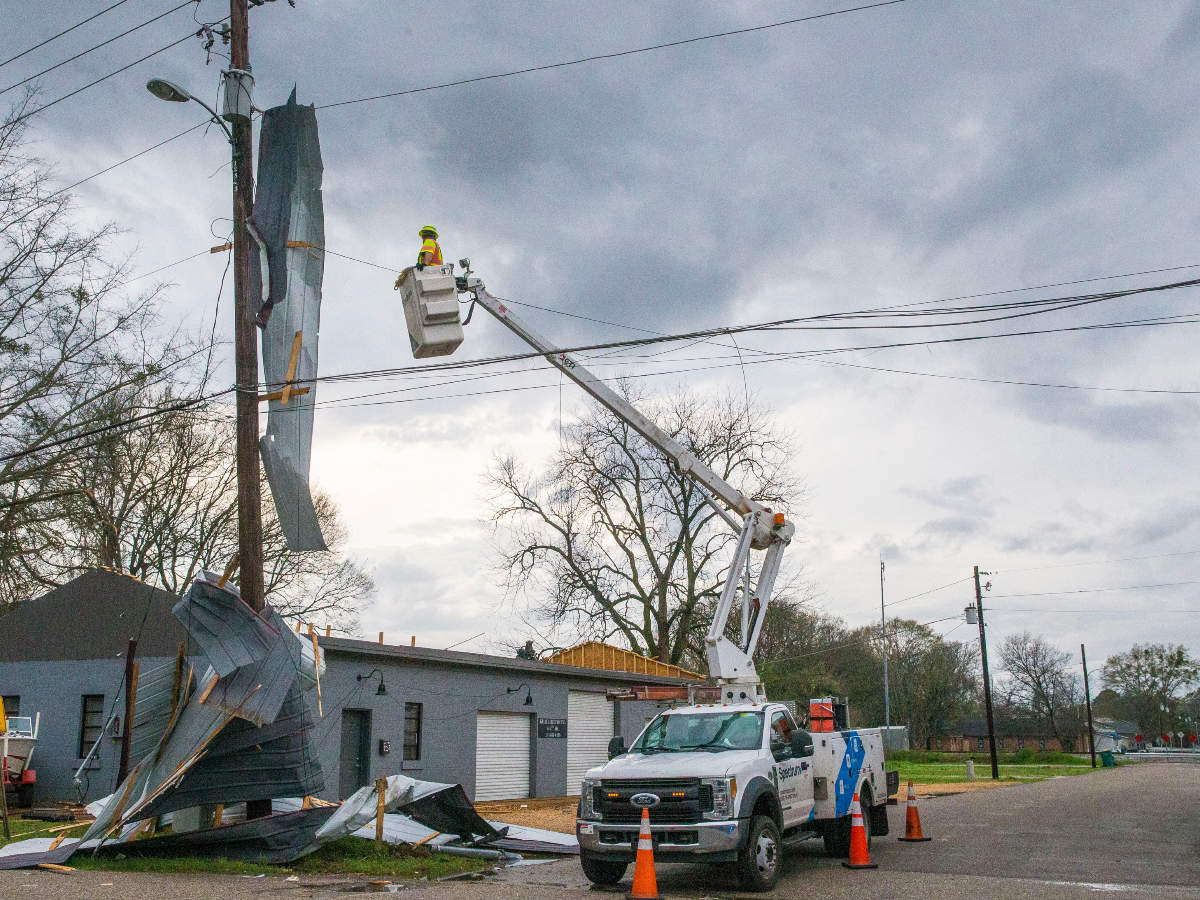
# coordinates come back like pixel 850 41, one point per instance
pixel 758 527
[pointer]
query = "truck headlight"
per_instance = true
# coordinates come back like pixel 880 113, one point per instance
pixel 724 797
pixel 587 799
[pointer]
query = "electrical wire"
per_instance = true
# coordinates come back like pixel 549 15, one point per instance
pixel 615 55
pixel 1104 590
pixel 862 640
pixel 102 78
pixel 96 47
pixel 1095 562
pixel 928 592
pixel 61 33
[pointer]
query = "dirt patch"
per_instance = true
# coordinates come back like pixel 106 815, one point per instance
pixel 551 813
pixel 952 787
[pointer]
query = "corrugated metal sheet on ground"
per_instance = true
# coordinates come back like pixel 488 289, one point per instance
pixel 152 709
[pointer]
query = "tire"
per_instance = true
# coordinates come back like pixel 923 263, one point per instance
pixel 837 832
pixel 758 862
pixel 600 870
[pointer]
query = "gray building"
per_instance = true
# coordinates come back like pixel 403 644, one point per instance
pixel 501 727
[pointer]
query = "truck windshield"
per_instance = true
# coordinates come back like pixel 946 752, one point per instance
pixel 716 731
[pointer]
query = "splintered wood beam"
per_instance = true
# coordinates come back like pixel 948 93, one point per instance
pixel 291 369
pixel 304 244
pixel 278 395
pixel 232 567
pixel 316 669
pixel 220 249
pixel 208 689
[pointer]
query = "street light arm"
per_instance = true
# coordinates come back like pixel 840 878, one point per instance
pixel 213 113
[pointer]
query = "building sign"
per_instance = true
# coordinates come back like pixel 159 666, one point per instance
pixel 552 728
pixel 385 746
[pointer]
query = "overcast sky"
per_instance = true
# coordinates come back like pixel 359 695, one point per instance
pixel 921 151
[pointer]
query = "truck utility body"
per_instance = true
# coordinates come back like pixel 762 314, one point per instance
pixel 729 782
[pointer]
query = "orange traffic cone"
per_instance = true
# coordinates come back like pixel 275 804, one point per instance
pixel 645 885
pixel 860 856
pixel 912 819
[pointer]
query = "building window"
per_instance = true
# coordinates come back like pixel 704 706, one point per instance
pixel 979 743
pixel 412 732
pixel 1041 743
pixel 91 722
pixel 12 705
pixel 1000 742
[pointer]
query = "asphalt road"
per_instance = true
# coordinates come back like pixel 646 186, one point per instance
pixel 1134 831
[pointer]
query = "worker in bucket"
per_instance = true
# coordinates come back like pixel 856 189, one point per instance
pixel 430 253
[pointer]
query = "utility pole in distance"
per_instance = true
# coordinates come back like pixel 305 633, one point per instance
pixel 1087 693
pixel 245 332
pixel 887 703
pixel 987 678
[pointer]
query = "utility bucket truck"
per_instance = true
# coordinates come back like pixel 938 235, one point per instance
pixel 732 781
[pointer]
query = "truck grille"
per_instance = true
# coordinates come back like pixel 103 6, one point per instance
pixel 681 800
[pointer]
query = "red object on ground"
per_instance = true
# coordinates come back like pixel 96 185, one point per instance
pixel 645 885
pixel 912 819
pixel 860 855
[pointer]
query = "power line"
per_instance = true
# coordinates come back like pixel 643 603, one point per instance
pixel 930 591
pixel 61 33
pixel 102 78
pixel 1095 562
pixel 1131 587
pixel 113 426
pixel 614 55
pixel 96 47
pixel 863 640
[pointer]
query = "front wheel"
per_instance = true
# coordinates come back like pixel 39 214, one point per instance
pixel 758 862
pixel 600 870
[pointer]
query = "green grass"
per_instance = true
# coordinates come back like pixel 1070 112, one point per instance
pixel 943 772
pixel 1023 757
pixel 347 856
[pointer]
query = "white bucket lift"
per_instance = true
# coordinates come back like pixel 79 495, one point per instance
pixel 431 310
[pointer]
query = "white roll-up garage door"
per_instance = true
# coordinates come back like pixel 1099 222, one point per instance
pixel 501 756
pixel 589 729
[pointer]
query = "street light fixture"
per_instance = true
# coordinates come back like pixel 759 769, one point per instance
pixel 168 90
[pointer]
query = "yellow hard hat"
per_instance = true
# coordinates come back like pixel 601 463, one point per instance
pixel 427 229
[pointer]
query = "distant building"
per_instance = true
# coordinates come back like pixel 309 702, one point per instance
pixel 502 727
pixel 1011 735
pixel 1117 735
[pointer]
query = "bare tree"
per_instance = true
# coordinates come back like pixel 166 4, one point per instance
pixel 1042 685
pixel 160 503
pixel 614 542
pixel 70 339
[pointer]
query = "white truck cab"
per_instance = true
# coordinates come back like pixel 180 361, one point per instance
pixel 729 784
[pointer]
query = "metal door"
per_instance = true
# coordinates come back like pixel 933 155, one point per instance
pixel 589 728
pixel 355 765
pixel 502 756
pixel 793 777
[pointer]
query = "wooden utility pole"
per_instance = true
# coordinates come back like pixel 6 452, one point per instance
pixel 245 348
pixel 987 679
pixel 245 332
pixel 131 674
pixel 1087 693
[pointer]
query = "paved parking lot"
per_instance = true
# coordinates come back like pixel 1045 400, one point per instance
pixel 1134 832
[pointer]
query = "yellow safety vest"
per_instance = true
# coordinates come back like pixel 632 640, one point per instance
pixel 431 246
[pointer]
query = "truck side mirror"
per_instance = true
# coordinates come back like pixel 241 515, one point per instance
pixel 802 744
pixel 616 746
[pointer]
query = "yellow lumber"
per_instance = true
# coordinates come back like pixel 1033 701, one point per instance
pixel 278 395
pixel 221 248
pixel 291 369
pixel 55 867
pixel 427 838
pixel 234 562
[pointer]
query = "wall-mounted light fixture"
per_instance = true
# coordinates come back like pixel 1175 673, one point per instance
pixel 380 691
pixel 528 696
